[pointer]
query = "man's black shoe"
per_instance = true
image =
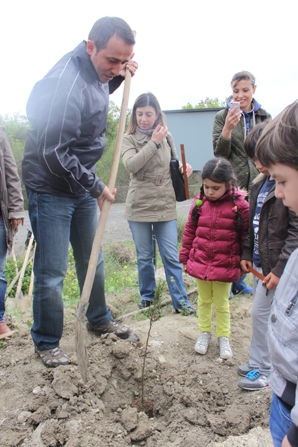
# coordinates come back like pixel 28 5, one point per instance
pixel 144 303
pixel 186 311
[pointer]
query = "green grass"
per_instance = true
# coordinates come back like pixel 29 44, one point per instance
pixel 120 267
pixel 121 275
pixel 71 291
pixel 10 273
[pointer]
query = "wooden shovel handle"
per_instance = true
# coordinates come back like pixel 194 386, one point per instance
pixel 106 204
pixel 256 273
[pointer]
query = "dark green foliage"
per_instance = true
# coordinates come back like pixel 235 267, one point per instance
pixel 103 167
pixel 208 103
pixel 10 273
pixel 16 127
pixel 194 184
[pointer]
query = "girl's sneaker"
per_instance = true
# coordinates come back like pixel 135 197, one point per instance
pixel 202 343
pixel 225 351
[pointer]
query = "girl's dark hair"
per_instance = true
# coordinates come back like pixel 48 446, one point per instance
pixel 252 138
pixel 279 141
pixel 145 99
pixel 219 170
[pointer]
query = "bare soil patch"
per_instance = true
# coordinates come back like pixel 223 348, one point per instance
pixel 196 401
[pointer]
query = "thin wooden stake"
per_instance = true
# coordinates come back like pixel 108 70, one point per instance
pixel 184 171
pixel 11 285
pixel 14 259
pixel 30 291
pixel 22 271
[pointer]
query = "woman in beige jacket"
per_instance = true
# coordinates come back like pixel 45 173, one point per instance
pixel 11 215
pixel 151 202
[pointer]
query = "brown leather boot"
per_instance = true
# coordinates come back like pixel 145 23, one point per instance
pixel 4 330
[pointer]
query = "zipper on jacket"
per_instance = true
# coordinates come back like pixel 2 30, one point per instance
pixel 211 244
pixel 291 305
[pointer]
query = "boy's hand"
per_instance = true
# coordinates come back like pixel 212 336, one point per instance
pixel 271 281
pixel 244 264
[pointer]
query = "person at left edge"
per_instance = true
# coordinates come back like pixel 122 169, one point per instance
pixel 68 111
pixel 11 216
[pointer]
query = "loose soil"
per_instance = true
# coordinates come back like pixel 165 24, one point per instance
pixel 196 401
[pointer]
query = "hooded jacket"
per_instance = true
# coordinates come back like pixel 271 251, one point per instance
pixel 278 231
pixel 11 198
pixel 233 149
pixel 68 111
pixel 283 342
pixel 211 247
pixel 151 196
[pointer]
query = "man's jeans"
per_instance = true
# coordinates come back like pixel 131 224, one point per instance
pixel 280 421
pixel 166 236
pixel 3 282
pixel 55 221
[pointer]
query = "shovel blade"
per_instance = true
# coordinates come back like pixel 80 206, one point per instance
pixel 81 348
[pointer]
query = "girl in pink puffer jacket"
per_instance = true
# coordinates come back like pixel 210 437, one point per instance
pixel 211 248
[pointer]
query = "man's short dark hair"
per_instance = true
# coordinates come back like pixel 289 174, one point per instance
pixel 106 27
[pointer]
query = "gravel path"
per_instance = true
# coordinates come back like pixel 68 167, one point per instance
pixel 116 230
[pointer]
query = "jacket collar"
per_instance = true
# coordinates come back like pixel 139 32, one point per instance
pixel 83 62
pixel 259 178
pixel 227 195
pixel 261 112
pixel 141 137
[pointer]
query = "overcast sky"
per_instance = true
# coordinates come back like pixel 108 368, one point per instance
pixel 186 50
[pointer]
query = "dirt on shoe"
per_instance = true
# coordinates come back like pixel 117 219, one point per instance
pixel 112 327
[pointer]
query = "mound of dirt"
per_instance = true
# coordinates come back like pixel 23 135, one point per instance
pixel 196 401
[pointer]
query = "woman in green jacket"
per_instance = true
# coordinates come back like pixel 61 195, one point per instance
pixel 232 124
pixel 151 202
pixel 230 128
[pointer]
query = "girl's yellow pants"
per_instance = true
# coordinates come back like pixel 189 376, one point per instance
pixel 218 294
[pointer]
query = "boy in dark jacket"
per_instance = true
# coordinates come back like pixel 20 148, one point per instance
pixel 271 238
pixel 278 150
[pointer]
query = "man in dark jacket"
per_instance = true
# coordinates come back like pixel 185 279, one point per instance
pixel 68 112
